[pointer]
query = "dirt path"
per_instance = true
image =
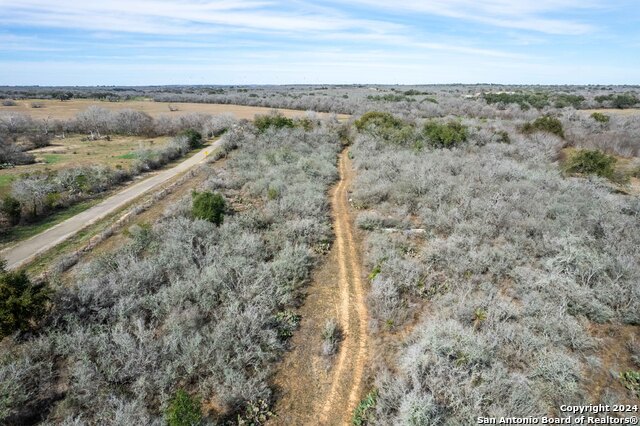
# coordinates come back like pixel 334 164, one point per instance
pixel 314 390
pixel 25 251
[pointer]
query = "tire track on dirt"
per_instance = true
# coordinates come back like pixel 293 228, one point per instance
pixel 313 391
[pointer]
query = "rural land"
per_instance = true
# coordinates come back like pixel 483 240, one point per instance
pixel 318 254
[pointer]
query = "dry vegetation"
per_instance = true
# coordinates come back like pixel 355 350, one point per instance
pixel 501 247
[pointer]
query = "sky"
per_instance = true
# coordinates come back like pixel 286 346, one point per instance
pixel 156 42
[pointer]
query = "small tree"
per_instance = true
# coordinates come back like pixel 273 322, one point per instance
pixel 592 162
pixel 11 207
pixel 445 135
pixel 184 410
pixel 194 137
pixel 21 301
pixel 209 206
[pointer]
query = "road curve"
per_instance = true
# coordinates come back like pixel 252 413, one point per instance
pixel 25 251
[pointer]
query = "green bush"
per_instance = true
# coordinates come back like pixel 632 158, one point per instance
pixel 378 120
pixel 564 100
pixel 445 135
pixel 286 323
pixel 365 410
pixel 544 124
pixel 278 121
pixel 524 100
pixel 631 380
pixel 600 117
pixel 592 162
pixel 387 127
pixel 11 207
pixel 624 100
pixel 209 206
pixel 184 410
pixel 194 137
pixel 21 301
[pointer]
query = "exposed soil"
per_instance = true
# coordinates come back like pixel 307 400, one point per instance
pixel 312 389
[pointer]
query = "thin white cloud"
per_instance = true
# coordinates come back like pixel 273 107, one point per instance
pixel 515 14
pixel 294 21
pixel 187 17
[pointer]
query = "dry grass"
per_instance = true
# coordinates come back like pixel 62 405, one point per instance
pixel 56 109
pixel 614 111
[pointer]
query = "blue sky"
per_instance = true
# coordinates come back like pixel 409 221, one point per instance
pixel 133 42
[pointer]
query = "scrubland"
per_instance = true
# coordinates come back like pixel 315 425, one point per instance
pixel 185 304
pixel 499 234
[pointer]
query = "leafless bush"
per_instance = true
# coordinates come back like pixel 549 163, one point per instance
pixel 331 336
pixel 517 261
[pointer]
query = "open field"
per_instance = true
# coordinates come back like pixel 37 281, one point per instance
pixel 76 151
pixel 58 110
pixel 615 111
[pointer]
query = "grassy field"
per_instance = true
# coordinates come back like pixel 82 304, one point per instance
pixel 73 152
pixel 64 110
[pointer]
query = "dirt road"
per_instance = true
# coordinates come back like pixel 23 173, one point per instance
pixel 23 252
pixel 313 390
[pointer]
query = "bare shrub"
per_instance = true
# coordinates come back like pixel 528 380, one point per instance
pixel 331 336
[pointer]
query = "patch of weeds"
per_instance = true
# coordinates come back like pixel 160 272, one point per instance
pixel 255 414
pixel 364 413
pixel 600 117
pixel 631 380
pixel 330 337
pixel 183 410
pixel 374 273
pixel 286 323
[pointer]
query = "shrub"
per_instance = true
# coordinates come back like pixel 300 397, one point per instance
pixel 445 135
pixel 544 124
pixel 330 337
pixel 184 410
pixel 277 121
pixel 379 120
pixel 255 414
pixel 209 206
pixel 625 100
pixel 9 102
pixel 592 162
pixel 286 323
pixel 631 380
pixel 600 117
pixel 194 137
pixel 21 301
pixel 11 207
pixel 564 100
pixel 364 413
pixel 524 100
